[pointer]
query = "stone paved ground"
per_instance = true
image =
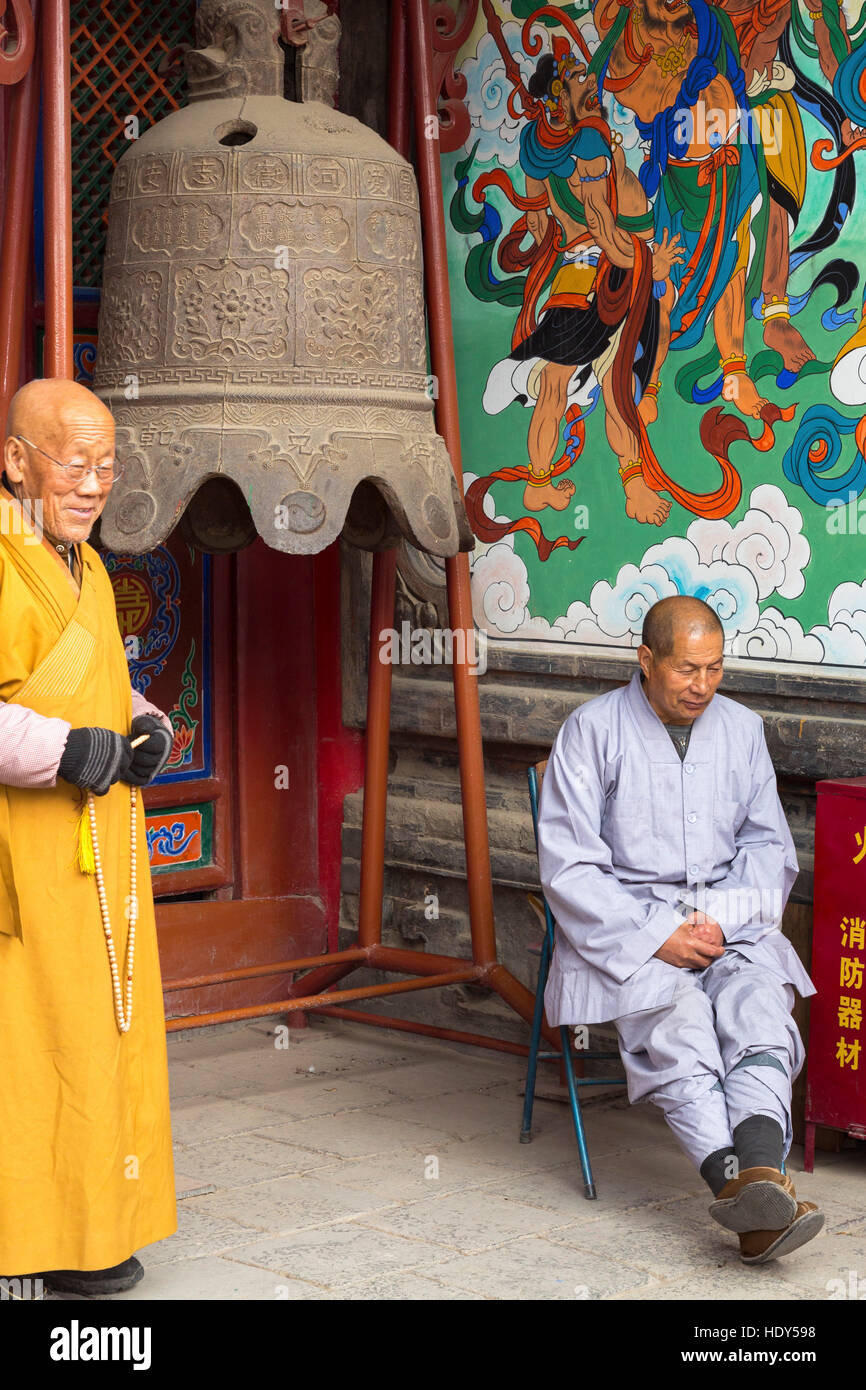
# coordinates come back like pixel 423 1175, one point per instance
pixel 361 1164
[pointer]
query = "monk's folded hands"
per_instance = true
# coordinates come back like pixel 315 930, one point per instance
pixel 685 949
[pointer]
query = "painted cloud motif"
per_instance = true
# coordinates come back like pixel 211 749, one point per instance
pixel 731 567
pixel 488 90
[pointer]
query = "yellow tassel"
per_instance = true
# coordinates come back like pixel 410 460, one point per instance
pixel 84 857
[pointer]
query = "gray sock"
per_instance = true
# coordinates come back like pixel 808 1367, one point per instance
pixel 759 1141
pixel 716 1169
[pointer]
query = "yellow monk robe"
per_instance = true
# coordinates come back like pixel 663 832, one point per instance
pixel 86 1170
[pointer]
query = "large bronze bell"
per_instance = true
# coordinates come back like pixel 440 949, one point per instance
pixel 262 331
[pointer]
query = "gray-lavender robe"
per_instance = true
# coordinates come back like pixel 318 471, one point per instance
pixel 630 837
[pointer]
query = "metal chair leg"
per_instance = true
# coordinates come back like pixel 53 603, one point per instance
pixel 588 1184
pixel 534 1043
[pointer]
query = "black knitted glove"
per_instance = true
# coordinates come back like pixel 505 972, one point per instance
pixel 95 759
pixel 149 758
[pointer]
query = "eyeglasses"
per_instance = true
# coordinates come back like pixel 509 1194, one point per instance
pixel 77 472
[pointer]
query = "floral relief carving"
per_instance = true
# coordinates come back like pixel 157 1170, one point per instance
pixel 351 317
pixel 414 322
pixel 230 313
pixel 129 318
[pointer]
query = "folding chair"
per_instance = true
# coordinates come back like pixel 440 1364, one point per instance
pixel 569 1054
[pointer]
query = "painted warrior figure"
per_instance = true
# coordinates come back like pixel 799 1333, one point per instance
pixel 601 218
pixel 604 322
pixel 672 63
pixel 763 36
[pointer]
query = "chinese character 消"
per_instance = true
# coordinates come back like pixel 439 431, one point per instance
pixel 853 931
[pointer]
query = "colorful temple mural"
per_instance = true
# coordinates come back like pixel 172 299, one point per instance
pixel 656 273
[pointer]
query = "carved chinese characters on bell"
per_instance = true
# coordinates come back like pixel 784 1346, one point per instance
pixel 265 172
pixel 326 176
pixel 389 236
pixel 303 228
pixel 203 173
pixel 153 175
pixel 176 226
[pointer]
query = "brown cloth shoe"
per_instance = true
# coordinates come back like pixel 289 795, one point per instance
pixel 760 1199
pixel 756 1247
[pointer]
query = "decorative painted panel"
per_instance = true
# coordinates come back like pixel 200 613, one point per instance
pixel 163 610
pixel 180 837
pixel 84 356
pixel 657 283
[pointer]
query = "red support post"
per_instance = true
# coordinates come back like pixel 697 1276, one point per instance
pixel 57 157
pixel 468 713
pixel 17 226
pixel 383 589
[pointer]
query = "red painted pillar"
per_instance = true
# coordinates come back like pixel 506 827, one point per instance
pixel 17 183
pixel 57 156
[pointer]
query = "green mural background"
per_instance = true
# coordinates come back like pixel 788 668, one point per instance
pixel 784 570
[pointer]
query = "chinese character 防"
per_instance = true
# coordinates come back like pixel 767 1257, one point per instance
pixel 861 841
pixel 850 972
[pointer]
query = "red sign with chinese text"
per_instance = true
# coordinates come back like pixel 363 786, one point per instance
pixel 835 1091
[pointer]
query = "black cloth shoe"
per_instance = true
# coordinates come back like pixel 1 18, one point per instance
pixel 95 1281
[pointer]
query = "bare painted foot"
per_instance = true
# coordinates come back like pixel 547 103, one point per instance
pixel 740 390
pixel 553 494
pixel 788 341
pixel 643 504
pixel 648 410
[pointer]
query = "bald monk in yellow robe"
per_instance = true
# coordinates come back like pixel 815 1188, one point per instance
pixel 86 1171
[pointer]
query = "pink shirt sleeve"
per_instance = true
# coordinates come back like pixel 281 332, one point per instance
pixel 142 706
pixel 32 745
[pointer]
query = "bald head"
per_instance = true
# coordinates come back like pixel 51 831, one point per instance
pixel 52 424
pixel 45 406
pixel 681 658
pixel 672 618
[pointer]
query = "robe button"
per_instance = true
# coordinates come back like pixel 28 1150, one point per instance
pixel 693 870
pixel 688 767
pixel 691 818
